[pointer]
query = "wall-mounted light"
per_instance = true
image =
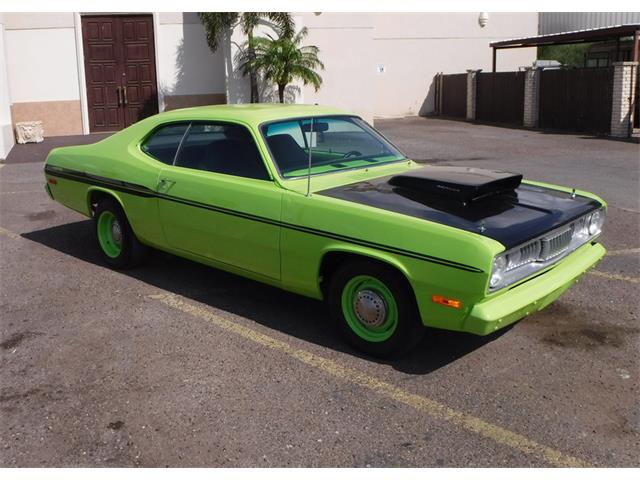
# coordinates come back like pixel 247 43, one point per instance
pixel 483 19
pixel 317 13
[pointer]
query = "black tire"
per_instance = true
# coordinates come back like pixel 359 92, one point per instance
pixel 408 330
pixel 131 252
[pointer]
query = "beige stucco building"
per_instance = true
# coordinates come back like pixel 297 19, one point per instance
pixel 63 68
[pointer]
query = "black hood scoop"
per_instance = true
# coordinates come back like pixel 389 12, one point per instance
pixel 493 204
pixel 461 184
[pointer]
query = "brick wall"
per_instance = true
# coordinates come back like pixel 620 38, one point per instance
pixel 531 97
pixel 624 78
pixel 471 94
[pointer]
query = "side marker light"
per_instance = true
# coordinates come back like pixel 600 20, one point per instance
pixel 447 302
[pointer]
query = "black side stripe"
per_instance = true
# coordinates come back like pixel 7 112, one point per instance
pixel 142 191
pixel 99 181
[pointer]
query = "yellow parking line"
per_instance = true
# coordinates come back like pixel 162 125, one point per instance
pixel 614 276
pixel 630 210
pixel 624 251
pixel 20 191
pixel 426 405
pixel 9 233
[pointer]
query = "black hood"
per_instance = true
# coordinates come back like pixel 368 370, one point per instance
pixel 493 204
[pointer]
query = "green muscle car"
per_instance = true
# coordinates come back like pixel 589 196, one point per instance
pixel 313 200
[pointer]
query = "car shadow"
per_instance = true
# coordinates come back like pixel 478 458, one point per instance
pixel 294 315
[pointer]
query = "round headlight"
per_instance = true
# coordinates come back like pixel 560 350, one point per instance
pixel 596 220
pixel 499 266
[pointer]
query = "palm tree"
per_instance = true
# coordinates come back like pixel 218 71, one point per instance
pixel 217 24
pixel 282 60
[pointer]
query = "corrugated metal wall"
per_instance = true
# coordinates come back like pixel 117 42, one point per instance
pixel 555 22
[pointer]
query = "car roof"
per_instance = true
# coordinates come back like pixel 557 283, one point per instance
pixel 251 113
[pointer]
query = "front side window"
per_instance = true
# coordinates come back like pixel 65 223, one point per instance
pixel 164 142
pixel 335 143
pixel 221 148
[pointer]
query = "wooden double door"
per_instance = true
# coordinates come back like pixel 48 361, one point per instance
pixel 120 70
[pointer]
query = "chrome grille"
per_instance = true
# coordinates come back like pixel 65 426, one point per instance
pixel 543 249
pixel 530 252
pixel 557 244
pixel 524 260
pixel 526 254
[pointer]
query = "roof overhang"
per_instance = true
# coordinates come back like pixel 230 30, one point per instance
pixel 578 36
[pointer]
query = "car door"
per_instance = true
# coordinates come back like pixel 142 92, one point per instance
pixel 217 199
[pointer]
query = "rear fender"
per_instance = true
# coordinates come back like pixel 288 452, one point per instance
pixel 93 190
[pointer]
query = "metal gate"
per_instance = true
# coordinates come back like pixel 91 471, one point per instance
pixel 576 99
pixel 500 97
pixel 453 95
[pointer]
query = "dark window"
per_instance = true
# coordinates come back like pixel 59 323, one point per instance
pixel 221 148
pixel 163 143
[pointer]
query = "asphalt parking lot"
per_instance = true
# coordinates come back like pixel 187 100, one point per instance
pixel 177 364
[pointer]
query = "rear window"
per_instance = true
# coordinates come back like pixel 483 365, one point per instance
pixel 164 142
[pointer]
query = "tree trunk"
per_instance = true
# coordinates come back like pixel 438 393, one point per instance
pixel 253 78
pixel 281 92
pixel 255 97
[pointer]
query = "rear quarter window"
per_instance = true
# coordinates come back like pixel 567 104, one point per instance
pixel 164 142
pixel 221 148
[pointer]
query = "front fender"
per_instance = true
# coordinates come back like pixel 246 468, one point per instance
pixel 425 279
pixel 360 251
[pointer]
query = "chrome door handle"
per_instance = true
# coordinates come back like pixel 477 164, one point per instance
pixel 126 101
pixel 164 183
pixel 119 91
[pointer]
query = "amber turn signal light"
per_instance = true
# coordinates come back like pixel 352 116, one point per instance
pixel 52 181
pixel 447 302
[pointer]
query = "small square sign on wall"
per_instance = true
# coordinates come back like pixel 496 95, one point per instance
pixel 380 68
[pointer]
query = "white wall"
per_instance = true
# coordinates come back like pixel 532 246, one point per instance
pixel 238 89
pixel 411 48
pixel 414 47
pixel 21 21
pixel 42 64
pixel 345 41
pixel 6 130
pixel 186 65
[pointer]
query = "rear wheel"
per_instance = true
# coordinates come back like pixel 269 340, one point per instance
pixel 374 308
pixel 118 244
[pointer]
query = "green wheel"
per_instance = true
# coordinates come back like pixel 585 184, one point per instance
pixel 110 234
pixel 369 308
pixel 118 244
pixel 374 308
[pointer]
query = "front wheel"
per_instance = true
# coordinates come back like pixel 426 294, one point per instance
pixel 118 244
pixel 374 308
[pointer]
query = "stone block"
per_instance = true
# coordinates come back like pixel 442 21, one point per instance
pixel 29 132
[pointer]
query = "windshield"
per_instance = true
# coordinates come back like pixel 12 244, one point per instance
pixel 337 143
